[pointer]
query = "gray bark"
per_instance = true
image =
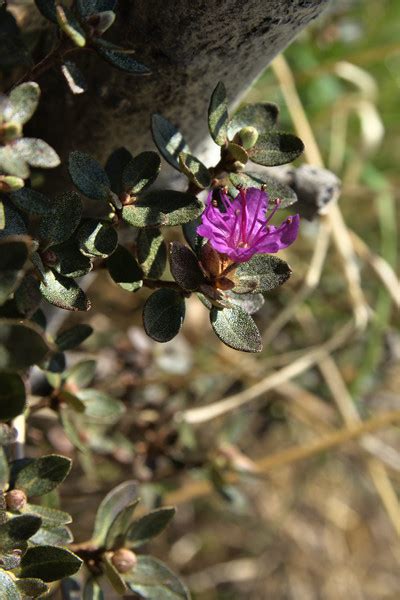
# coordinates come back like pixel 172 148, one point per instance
pixel 189 46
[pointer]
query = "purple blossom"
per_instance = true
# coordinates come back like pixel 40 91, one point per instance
pixel 241 228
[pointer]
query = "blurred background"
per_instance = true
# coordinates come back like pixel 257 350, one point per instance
pixel 275 501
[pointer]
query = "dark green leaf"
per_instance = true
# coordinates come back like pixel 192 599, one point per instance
pixel 49 563
pixel 124 270
pixel 24 100
pixel 185 267
pixel 275 149
pixel 63 292
pixel 115 501
pixel 31 588
pixel 32 202
pixel 274 188
pixel 162 207
pixel 195 170
pixel 41 475
pixel 218 115
pixel 22 344
pixel 262 116
pixel 14 252
pixel 8 587
pixel 151 252
pixel 237 153
pixel 163 314
pixel 141 172
pixel 69 260
pixel 113 576
pixel 17 529
pixel 261 273
pixel 153 580
pixel 194 240
pixel 168 140
pixel 236 329
pixel 12 396
pixel 100 407
pixel 88 176
pixel 58 226
pixel 144 529
pixel 97 238
pixel 48 9
pixel 120 58
pixel 115 166
pixel 74 77
pixel 14 222
pixel 73 337
pixel 36 153
pixel 90 7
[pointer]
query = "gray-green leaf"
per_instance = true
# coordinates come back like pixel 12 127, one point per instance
pixel 236 329
pixel 163 314
pixel 218 115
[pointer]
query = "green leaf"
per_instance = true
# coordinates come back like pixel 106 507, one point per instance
pixel 14 222
pixel 151 252
pixel 162 207
pixel 12 396
pixel 92 590
pixel 36 153
pixel 32 202
pixel 147 527
pixel 12 163
pixel 163 314
pixel 70 429
pixel 218 115
pixel 51 517
pixel 88 176
pixel 115 501
pixel 54 536
pixel 82 373
pixel 262 273
pixel 28 297
pixel 274 188
pixel 63 292
pixel 119 527
pixel 22 344
pixel 185 267
pixel 31 588
pixel 49 563
pixel 120 58
pixel 58 226
pixel 194 170
pixel 124 270
pixel 97 238
pixel 90 7
pixel 113 576
pixel 237 153
pixel 100 407
pixel 69 260
pixel 8 587
pixel 74 77
pixel 275 149
pixel 115 166
pixel 39 476
pixel 141 172
pixel 168 140
pixel 73 337
pixel 262 116
pixel 251 303
pixel 153 580
pixel 236 329
pixel 70 26
pixel 24 100
pixel 194 240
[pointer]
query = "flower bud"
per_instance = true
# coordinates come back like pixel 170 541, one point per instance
pixel 11 131
pixel 248 137
pixel 124 560
pixel 16 500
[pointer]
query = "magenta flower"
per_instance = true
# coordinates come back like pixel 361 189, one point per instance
pixel 241 228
